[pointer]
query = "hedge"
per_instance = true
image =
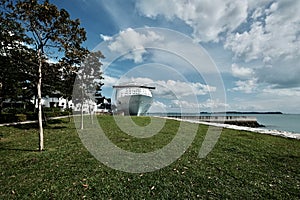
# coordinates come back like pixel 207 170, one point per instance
pixel 20 117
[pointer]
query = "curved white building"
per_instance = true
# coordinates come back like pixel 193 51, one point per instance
pixel 132 99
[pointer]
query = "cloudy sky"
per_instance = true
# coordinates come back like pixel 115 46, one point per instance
pixel 199 54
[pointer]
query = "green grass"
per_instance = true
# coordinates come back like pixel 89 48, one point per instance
pixel 242 165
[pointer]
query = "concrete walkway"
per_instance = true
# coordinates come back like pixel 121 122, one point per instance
pixel 30 122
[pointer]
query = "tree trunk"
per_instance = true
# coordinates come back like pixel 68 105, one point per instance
pixel 1 106
pixel 34 107
pixel 39 90
pixel 91 114
pixel 68 109
pixel 81 108
pixel 81 126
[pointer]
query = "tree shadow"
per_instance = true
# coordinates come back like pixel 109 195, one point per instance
pixel 55 121
pixel 19 149
pixel 50 124
pixel 27 126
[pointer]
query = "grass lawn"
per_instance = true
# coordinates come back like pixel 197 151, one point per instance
pixel 242 165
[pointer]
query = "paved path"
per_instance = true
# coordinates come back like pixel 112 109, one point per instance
pixel 30 122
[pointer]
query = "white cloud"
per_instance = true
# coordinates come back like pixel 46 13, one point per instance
pixel 269 99
pixel 266 32
pixel 158 45
pixel 184 105
pixel 179 89
pixel 282 74
pixel 248 45
pixel 109 81
pixel 196 107
pixel 258 12
pixel 168 89
pixel 248 86
pixel 275 35
pixel 241 72
pixel 285 92
pixel 214 104
pixel 254 4
pixel 207 18
pixel 105 37
pixel 158 107
pixel 170 95
pixel 132 44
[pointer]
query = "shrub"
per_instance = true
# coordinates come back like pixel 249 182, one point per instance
pixel 51 114
pixel 14 110
pixel 31 116
pixel 20 117
pixel 64 113
pixel 7 117
pixel 69 110
pixel 54 109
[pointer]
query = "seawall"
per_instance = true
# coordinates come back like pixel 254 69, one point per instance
pixel 248 121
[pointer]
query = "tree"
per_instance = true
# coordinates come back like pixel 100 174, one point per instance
pixel 68 76
pixel 88 82
pixel 15 57
pixel 49 31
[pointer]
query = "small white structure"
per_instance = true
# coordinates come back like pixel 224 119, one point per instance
pixel 56 102
pixel 102 105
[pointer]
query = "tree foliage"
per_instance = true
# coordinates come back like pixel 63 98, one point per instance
pixel 88 81
pixel 16 59
pixel 47 33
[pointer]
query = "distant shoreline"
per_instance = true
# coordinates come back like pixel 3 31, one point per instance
pixel 285 134
pixel 217 113
pixel 246 112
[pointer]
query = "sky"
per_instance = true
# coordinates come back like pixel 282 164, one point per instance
pixel 201 55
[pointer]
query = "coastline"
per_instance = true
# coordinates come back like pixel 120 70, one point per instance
pixel 274 132
pixel 284 134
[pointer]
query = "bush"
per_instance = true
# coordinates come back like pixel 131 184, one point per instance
pixel 68 110
pixel 7 117
pixel 31 116
pixel 11 117
pixel 56 114
pixel 54 109
pixel 65 113
pixel 51 114
pixel 14 110
pixel 20 117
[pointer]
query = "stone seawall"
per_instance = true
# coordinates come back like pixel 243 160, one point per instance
pixel 248 121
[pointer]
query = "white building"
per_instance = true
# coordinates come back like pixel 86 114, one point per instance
pixel 102 105
pixel 55 102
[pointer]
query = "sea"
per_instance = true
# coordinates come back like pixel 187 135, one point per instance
pixel 280 122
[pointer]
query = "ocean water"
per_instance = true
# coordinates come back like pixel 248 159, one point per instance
pixel 282 122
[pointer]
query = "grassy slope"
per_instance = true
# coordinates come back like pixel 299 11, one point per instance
pixel 242 165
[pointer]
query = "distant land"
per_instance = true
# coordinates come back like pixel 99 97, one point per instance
pixel 239 112
pixel 218 113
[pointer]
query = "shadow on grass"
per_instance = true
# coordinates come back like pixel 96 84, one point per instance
pixel 55 121
pixel 27 126
pixel 49 125
pixel 16 149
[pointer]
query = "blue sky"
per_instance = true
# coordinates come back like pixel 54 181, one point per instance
pixel 253 47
